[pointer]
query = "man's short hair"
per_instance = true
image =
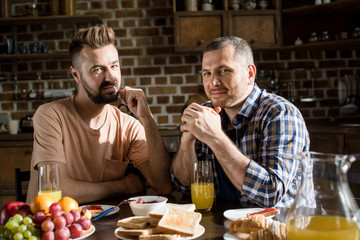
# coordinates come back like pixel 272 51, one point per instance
pixel 243 52
pixel 93 37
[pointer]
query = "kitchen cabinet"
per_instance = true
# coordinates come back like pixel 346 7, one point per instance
pixel 301 18
pixel 12 24
pixel 196 29
pixel 15 151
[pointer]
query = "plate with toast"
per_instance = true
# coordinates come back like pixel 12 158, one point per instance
pixel 97 209
pixel 235 214
pixel 175 221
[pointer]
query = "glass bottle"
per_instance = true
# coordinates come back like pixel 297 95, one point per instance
pixel 324 207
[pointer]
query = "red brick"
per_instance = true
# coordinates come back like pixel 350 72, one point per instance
pixel 7 106
pixel 147 70
pixel 177 70
pixel 129 13
pixel 155 110
pixel 162 120
pixel 162 90
pixel 130 81
pixel 178 99
pixel 174 109
pixel 176 80
pixel 145 81
pixel 163 99
pixel 160 80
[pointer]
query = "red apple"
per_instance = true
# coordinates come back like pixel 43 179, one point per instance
pixel 13 208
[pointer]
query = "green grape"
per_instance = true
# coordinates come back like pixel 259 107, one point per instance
pixel 18 236
pixel 18 217
pixel 12 224
pixel 33 238
pixel 22 228
pixel 27 220
pixel 27 234
pixel 7 233
pixel 31 228
pixel 15 229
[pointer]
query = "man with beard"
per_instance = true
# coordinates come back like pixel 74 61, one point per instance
pixel 247 133
pixel 92 141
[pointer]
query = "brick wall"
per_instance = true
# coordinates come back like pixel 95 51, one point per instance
pixel 145 39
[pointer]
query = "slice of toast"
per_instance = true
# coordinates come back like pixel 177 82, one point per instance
pixel 137 232
pixel 158 213
pixel 137 222
pixel 179 221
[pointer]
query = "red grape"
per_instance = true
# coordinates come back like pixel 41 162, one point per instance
pixel 53 215
pixel 59 222
pixel 76 214
pixel 68 217
pixel 47 225
pixel 50 235
pixel 75 230
pixel 84 222
pixel 62 234
pixel 55 207
pixel 39 217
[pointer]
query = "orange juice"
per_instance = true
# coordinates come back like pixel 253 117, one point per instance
pixel 322 227
pixel 202 195
pixel 56 194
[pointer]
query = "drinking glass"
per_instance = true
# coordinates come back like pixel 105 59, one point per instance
pixel 202 185
pixel 49 180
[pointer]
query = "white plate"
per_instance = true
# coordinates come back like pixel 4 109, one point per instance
pixel 105 207
pixel 235 214
pixel 87 233
pixel 199 230
pixel 229 236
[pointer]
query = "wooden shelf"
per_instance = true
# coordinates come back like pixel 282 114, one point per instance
pixel 94 19
pixel 321 46
pixel 336 8
pixel 34 56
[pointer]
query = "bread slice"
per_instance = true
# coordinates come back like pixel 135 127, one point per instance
pixel 159 237
pixel 179 221
pixel 137 232
pixel 158 213
pixel 137 222
pixel 267 212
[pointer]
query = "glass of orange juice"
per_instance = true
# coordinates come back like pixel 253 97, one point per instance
pixel 202 185
pixel 49 180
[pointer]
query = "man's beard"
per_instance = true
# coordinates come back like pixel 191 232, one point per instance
pixel 99 98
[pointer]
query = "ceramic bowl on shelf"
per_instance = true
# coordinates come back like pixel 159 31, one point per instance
pixel 145 204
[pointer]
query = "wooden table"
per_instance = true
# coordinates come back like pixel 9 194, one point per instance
pixel 216 225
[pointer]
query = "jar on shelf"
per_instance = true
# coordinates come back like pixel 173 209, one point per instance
pixel 325 36
pixel 207 5
pixel 191 5
pixel 32 10
pixel 356 33
pixel 250 4
pixel 264 4
pixel 235 4
pixel 313 38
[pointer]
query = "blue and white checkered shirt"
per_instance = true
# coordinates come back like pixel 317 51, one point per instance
pixel 268 130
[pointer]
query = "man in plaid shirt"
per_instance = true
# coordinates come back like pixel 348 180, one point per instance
pixel 248 133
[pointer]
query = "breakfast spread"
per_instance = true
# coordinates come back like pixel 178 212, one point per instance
pixel 257 227
pixel 94 209
pixel 174 222
pixel 267 212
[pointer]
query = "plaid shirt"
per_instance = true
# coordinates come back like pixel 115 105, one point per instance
pixel 268 130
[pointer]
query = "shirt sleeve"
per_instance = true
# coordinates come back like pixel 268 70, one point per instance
pixel 48 137
pixel 274 176
pixel 179 186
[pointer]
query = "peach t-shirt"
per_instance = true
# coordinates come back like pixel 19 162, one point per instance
pixel 90 155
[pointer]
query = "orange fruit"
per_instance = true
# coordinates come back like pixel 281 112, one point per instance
pixel 41 203
pixel 67 204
